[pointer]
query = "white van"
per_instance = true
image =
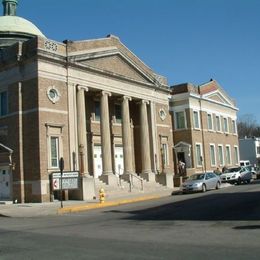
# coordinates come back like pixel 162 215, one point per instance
pixel 244 163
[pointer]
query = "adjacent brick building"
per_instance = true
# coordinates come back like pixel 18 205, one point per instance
pixel 204 127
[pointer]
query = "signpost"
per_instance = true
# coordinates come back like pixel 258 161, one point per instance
pixel 61 164
pixel 64 180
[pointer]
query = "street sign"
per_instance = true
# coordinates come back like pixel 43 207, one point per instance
pixel 70 180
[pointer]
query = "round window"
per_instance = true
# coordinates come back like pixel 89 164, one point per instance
pixel 53 94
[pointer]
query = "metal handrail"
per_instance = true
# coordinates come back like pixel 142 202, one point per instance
pixel 131 183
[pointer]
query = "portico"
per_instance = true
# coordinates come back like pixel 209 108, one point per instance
pixel 109 132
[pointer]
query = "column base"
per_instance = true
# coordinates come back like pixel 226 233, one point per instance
pixel 165 179
pixel 148 176
pixel 109 179
pixel 86 190
pixel 178 180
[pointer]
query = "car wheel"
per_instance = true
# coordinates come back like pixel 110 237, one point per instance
pixel 204 189
pixel 218 186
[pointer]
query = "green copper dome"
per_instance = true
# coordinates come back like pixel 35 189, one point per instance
pixel 18 24
pixel 14 28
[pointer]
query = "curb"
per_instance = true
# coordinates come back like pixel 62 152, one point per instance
pixel 78 208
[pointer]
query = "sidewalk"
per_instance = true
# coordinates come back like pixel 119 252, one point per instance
pixel 54 208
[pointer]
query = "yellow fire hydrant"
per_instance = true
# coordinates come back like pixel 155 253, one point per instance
pixel 102 195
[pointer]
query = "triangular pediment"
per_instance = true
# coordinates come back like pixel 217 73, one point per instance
pixel 214 92
pixel 182 144
pixel 219 97
pixel 117 65
pixel 112 58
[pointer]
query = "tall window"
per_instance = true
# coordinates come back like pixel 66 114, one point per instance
pixel 234 127
pixel 118 114
pixel 198 155
pixel 236 154
pixel 3 103
pixel 258 150
pixel 165 154
pixel 196 121
pixel 212 155
pixel 220 155
pixel 228 155
pixel 97 111
pixel 218 126
pixel 225 125
pixel 180 120
pixel 210 123
pixel 54 152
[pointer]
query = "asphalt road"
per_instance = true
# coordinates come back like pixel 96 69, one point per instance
pixel 223 224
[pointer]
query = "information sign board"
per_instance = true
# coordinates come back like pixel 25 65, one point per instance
pixel 70 180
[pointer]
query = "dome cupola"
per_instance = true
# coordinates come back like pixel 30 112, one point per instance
pixel 14 28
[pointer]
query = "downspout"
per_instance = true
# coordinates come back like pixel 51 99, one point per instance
pixel 202 133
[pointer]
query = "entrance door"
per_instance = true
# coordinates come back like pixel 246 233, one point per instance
pixel 181 157
pixel 119 160
pixel 4 183
pixel 97 161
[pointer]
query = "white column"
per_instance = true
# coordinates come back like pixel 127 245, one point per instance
pixel 82 133
pixel 144 138
pixel 105 134
pixel 127 140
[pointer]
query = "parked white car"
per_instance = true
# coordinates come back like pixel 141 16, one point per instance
pixel 236 175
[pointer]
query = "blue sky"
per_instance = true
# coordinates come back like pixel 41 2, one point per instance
pixel 184 40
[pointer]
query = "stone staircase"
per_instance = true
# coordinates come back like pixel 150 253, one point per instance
pixel 123 189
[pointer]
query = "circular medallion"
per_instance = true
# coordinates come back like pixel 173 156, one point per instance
pixel 162 113
pixel 53 94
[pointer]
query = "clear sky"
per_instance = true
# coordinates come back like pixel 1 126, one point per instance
pixel 184 40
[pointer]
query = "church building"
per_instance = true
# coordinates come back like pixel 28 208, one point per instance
pixel 92 102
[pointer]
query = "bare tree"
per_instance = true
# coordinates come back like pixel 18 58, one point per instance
pixel 247 126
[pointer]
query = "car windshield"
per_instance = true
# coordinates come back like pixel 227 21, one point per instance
pixel 197 176
pixel 235 169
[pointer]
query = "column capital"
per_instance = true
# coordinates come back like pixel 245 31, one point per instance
pixel 103 93
pixel 81 87
pixel 126 98
pixel 143 101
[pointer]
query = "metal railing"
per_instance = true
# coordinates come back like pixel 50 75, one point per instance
pixel 131 181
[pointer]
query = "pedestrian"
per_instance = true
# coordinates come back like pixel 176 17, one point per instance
pixel 181 167
pixel 224 169
pixel 217 171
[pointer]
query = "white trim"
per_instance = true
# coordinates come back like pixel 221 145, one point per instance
pixel 214 147
pixel 57 145
pixel 202 109
pixel 220 125
pixel 196 155
pixel 175 120
pixel 212 122
pixel 230 155
pixel 193 121
pixel 226 131
pixel 160 125
pixel 235 124
pixel 238 159
pixel 223 157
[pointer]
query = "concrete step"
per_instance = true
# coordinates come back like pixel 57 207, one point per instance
pixel 123 188
pixel 6 202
